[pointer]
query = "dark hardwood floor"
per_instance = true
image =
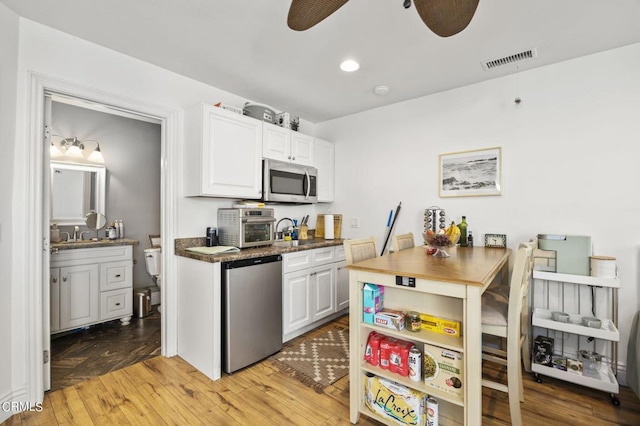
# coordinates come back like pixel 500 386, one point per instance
pixel 83 354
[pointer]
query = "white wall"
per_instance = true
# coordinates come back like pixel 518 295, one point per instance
pixel 8 68
pixel 570 159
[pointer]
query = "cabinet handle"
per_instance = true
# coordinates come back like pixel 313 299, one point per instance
pixel 118 304
pixel 293 158
pixel 64 279
pixel 289 157
pixel 118 276
pixel 55 279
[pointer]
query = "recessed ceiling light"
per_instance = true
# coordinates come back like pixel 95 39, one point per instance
pixel 381 90
pixel 349 65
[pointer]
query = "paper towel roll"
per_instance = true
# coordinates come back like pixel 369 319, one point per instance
pixel 328 227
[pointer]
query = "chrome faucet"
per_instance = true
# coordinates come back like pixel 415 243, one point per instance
pixel 76 231
pixel 276 232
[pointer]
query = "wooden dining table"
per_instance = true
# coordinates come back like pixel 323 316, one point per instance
pixel 449 287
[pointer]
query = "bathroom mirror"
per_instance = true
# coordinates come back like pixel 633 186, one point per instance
pixel 76 189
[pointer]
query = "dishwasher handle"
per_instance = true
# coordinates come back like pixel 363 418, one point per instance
pixel 252 262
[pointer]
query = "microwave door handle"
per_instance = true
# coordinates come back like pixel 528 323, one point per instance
pixel 258 220
pixel 308 178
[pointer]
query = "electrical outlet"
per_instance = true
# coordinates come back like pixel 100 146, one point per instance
pixel 355 222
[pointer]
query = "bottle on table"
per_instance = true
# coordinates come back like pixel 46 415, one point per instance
pixel 463 232
pixel 470 240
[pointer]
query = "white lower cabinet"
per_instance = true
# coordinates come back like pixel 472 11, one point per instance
pixel 89 286
pixel 310 290
pixel 79 295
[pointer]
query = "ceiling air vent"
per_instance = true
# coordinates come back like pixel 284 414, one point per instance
pixel 511 59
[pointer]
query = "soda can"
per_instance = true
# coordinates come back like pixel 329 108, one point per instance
pixel 415 364
pixel 432 411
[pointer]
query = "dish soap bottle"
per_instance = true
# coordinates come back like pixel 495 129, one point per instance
pixel 463 232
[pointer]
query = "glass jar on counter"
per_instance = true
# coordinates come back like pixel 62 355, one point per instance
pixel 413 321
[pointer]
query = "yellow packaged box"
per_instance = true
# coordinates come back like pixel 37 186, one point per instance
pixel 440 325
pixel 393 401
pixel 443 369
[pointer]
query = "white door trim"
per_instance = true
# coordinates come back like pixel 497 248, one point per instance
pixel 36 236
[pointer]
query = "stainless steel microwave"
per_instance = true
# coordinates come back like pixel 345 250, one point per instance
pixel 289 183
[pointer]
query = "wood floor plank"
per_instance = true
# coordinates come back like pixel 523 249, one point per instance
pixel 160 399
pixel 132 404
pixel 100 404
pixel 182 391
pixel 69 408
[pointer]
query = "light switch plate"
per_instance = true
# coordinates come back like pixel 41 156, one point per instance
pixel 355 222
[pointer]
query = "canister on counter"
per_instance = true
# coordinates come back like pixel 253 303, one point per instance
pixel 415 364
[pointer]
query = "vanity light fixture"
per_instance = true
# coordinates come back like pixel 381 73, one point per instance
pixel 349 65
pixel 74 148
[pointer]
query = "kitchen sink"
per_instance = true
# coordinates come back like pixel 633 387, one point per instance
pixel 292 243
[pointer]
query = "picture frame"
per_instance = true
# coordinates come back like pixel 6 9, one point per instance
pixel 471 173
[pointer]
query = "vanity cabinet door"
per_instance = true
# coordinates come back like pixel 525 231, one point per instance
pixel 54 299
pixel 79 295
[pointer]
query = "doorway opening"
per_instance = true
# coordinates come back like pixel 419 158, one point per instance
pixel 130 145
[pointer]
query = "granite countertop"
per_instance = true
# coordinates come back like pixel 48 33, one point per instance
pixel 93 244
pixel 181 244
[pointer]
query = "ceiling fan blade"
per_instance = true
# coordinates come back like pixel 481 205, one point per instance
pixel 304 14
pixel 446 17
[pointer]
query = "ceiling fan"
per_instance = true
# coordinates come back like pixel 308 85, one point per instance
pixel 443 17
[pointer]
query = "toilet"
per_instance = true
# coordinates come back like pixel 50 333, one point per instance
pixel 153 262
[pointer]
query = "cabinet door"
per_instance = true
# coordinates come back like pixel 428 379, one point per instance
pixel 302 151
pixel 296 310
pixel 276 142
pixel 342 286
pixel 324 162
pixel 54 299
pixel 323 296
pixel 79 295
pixel 223 157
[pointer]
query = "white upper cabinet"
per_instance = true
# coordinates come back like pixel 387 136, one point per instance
pixel 324 159
pixel 283 144
pixel 223 154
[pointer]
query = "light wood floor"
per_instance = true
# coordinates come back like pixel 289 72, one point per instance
pixel 162 391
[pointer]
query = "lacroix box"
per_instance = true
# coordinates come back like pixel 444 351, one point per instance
pixel 398 403
pixel 443 369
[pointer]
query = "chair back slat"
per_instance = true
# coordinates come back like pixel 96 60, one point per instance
pixel 519 286
pixel 360 249
pixel 402 242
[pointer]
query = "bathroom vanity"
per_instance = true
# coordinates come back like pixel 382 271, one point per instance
pixel 91 282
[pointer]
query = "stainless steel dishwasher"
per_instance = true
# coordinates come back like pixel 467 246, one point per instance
pixel 251 311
